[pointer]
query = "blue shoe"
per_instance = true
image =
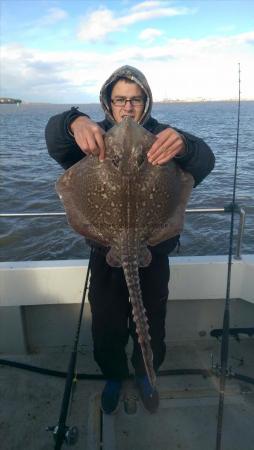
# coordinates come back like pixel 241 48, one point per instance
pixel 110 396
pixel 148 394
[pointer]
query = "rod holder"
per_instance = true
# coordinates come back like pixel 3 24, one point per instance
pixel 71 434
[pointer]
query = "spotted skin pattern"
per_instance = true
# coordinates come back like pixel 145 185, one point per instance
pixel 125 203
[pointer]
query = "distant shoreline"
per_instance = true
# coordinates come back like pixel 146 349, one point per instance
pixel 160 102
pixel 10 101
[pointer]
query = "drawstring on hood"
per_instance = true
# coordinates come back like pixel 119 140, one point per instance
pixel 132 74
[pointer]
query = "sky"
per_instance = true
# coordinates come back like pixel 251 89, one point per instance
pixel 62 51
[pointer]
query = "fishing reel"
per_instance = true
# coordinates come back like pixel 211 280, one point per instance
pixel 70 434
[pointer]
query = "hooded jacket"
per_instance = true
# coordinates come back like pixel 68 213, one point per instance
pixel 198 158
pixel 132 74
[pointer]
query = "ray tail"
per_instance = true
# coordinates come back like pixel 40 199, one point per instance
pixel 130 267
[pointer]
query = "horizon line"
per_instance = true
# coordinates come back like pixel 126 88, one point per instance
pixel 164 101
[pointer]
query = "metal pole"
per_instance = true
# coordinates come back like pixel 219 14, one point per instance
pixel 240 211
pixel 240 233
pixel 39 214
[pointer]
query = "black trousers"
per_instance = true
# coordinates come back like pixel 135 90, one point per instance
pixel 112 319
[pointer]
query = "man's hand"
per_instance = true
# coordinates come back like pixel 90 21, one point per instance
pixel 169 143
pixel 89 136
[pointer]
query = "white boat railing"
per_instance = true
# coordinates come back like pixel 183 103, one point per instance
pixel 226 209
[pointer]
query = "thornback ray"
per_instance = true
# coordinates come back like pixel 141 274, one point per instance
pixel 127 204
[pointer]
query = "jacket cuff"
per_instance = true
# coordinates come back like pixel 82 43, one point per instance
pixel 71 116
pixel 186 150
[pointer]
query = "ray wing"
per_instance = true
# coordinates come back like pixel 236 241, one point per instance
pixel 88 190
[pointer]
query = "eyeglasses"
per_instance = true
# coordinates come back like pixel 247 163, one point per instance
pixel 134 101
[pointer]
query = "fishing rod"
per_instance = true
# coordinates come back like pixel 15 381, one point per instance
pixel 61 432
pixel 226 317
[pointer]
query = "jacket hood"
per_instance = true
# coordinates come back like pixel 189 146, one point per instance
pixel 133 74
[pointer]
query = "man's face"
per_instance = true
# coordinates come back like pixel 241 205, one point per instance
pixel 123 90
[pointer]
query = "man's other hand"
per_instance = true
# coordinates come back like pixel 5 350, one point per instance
pixel 169 143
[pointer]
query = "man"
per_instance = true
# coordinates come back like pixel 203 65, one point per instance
pixel 72 135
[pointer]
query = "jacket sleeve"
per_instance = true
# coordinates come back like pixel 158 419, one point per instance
pixel 199 159
pixel 60 143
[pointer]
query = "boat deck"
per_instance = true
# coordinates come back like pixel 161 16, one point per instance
pixel 186 419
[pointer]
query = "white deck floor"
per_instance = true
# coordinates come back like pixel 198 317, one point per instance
pixel 185 420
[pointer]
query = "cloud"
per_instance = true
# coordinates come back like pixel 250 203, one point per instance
pixel 184 69
pixel 98 24
pixel 246 38
pixel 51 76
pixel 149 4
pixel 149 34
